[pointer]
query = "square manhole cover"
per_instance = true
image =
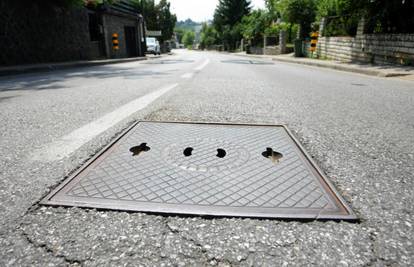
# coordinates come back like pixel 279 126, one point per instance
pixel 204 169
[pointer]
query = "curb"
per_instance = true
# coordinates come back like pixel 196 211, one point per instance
pixel 340 67
pixel 335 67
pixel 66 65
pixel 371 72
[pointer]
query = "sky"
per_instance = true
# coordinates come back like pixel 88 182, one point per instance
pixel 200 10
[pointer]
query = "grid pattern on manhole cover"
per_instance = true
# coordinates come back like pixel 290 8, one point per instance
pixel 243 181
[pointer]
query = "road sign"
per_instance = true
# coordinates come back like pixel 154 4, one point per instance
pixel 115 41
pixel 153 33
pixel 314 41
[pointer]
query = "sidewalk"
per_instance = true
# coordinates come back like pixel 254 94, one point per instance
pixel 20 69
pixel 373 70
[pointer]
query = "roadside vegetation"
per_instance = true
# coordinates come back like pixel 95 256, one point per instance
pixel 235 20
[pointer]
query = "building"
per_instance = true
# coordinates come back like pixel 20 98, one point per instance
pixel 122 20
pixel 39 33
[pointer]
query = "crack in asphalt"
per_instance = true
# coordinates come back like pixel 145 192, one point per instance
pixel 377 259
pixel 48 250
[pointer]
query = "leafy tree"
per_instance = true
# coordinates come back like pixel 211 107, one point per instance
pixel 390 16
pixel 273 9
pixel 208 36
pixel 166 20
pixel 188 39
pixel 179 33
pixel 302 12
pixel 255 25
pixel 227 20
pixel 158 17
pixel 384 16
pixel 343 16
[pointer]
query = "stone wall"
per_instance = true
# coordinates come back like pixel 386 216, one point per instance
pixel 278 47
pixel 369 48
pixel 36 34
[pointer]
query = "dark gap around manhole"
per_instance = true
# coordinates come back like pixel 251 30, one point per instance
pixel 136 150
pixel 188 151
pixel 274 156
pixel 221 153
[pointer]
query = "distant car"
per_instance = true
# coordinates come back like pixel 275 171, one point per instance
pixel 153 46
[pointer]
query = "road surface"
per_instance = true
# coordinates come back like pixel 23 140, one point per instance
pixel 360 130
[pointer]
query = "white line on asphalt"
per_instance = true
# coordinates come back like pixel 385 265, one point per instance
pixel 187 75
pixel 69 143
pixel 202 66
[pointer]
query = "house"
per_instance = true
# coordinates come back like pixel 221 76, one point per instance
pixel 117 30
pixel 36 32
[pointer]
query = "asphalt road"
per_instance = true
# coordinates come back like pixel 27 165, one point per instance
pixel 360 130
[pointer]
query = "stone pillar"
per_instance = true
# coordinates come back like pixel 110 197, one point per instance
pixel 298 33
pixel 361 27
pixel 322 26
pixel 264 45
pixel 282 42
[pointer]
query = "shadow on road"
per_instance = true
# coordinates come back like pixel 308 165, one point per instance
pixel 169 61
pixel 56 79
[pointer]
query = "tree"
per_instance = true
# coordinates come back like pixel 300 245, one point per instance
pixel 148 10
pixel 342 15
pixel 272 9
pixel 227 20
pixel 157 17
pixel 302 12
pixel 255 25
pixel 390 16
pixel 208 36
pixel 188 39
pixel 180 34
pixel 166 21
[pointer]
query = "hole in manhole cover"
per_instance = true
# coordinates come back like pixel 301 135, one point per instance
pixel 188 151
pixel 273 155
pixel 204 169
pixel 221 153
pixel 136 150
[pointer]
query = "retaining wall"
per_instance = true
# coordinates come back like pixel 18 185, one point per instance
pixel 36 34
pixel 369 48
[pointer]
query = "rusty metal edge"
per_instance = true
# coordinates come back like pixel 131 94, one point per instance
pixel 218 213
pixel 324 177
pixel 70 177
pixel 348 217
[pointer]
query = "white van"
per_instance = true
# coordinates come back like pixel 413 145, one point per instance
pixel 153 46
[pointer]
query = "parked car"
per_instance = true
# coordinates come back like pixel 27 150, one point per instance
pixel 153 46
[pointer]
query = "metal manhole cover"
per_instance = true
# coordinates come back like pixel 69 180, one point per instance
pixel 204 169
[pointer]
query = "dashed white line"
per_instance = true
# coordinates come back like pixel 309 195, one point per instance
pixel 187 75
pixel 203 65
pixel 69 143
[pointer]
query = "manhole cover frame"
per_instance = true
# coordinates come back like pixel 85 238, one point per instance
pixel 324 181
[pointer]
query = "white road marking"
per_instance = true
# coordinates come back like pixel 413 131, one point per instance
pixel 202 66
pixel 69 143
pixel 187 75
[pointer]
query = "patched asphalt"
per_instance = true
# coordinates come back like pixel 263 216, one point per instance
pixel 359 129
